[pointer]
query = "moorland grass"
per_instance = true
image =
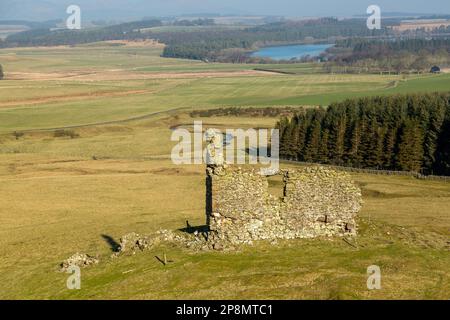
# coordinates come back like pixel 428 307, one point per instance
pixel 60 194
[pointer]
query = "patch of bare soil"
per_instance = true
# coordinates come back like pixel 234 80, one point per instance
pixel 427 25
pixel 137 43
pixel 174 171
pixel 40 76
pixel 129 75
pixel 118 74
pixel 72 97
pixel 9 58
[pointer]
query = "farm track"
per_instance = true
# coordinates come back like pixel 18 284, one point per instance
pixel 120 74
pixel 137 118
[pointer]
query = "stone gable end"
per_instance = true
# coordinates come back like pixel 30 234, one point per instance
pixel 316 202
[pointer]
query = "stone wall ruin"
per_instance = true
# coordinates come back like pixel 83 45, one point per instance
pixel 240 209
pixel 316 202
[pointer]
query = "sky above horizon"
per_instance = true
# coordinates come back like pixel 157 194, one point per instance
pixel 130 9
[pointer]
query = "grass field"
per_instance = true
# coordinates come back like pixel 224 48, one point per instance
pixel 61 195
pixel 89 84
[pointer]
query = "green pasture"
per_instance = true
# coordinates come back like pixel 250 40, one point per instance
pixel 65 194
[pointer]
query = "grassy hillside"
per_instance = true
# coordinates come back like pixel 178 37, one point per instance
pixel 61 195
pixel 56 201
pixel 48 88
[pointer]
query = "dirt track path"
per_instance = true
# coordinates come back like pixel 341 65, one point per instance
pixel 118 74
pixel 136 118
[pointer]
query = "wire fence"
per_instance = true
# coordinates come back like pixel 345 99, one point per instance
pixel 375 171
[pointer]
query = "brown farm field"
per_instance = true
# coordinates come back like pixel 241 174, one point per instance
pixel 427 25
pixel 65 194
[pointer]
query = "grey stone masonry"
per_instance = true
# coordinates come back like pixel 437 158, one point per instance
pixel 316 202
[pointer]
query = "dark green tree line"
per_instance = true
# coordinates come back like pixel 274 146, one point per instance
pixel 212 44
pixel 403 132
pixel 401 55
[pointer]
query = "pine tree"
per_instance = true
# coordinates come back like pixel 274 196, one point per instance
pixel 390 141
pixel 337 131
pixel 353 152
pixel 293 141
pixel 442 163
pixel 283 127
pixel 371 156
pixel 410 147
pixel 300 133
pixel 323 155
pixel 313 141
pixel 434 126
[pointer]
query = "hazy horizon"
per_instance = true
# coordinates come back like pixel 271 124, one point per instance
pixel 40 10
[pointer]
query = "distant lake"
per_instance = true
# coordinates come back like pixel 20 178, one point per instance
pixel 293 51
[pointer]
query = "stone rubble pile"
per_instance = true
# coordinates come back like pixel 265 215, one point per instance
pixel 80 260
pixel 132 242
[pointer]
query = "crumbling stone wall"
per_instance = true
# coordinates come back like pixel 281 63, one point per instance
pixel 316 202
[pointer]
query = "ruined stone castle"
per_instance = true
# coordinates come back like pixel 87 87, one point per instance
pixel 315 202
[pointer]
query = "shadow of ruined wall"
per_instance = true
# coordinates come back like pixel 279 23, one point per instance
pixel 316 202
